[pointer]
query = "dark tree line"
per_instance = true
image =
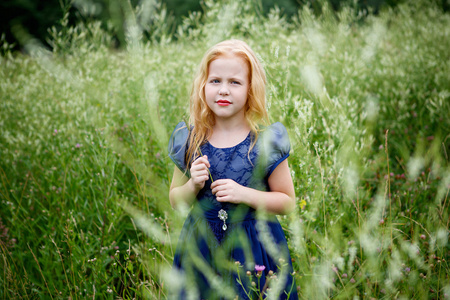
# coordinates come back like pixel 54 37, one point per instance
pixel 32 18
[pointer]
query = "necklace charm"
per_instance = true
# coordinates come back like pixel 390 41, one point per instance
pixel 223 216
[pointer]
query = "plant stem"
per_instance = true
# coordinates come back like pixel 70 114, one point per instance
pixel 201 154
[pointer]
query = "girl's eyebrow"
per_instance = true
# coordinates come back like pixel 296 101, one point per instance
pixel 213 76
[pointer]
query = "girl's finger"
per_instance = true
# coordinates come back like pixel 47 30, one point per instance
pixel 201 159
pixel 199 173
pixel 218 182
pixel 199 167
pixel 217 189
pixel 222 199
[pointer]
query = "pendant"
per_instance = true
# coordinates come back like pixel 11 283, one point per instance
pixel 223 216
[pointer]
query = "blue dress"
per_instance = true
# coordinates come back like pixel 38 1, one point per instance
pixel 220 242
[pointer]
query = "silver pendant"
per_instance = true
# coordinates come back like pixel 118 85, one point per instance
pixel 223 216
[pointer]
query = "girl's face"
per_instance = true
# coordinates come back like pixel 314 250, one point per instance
pixel 227 87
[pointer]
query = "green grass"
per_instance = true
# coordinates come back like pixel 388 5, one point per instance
pixel 84 171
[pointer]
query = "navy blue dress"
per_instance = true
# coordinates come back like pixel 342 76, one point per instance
pixel 220 242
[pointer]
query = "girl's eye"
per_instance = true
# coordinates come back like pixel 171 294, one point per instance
pixel 215 81
pixel 235 82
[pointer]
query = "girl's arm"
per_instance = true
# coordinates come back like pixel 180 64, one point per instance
pixel 184 189
pixel 279 200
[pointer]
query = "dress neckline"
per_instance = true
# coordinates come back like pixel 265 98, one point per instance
pixel 224 148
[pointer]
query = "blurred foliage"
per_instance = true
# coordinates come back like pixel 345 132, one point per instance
pixel 34 18
pixel 84 172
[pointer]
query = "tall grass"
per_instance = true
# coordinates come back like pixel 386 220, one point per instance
pixel 85 173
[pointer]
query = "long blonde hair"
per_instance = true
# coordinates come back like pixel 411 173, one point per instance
pixel 202 118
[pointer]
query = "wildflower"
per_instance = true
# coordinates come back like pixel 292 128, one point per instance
pixel 249 273
pixel 259 268
pixel 352 280
pixel 302 204
pixel 423 236
pixel 77 145
pixel 344 275
pixel 407 270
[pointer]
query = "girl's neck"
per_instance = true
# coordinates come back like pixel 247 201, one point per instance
pixel 228 134
pixel 231 126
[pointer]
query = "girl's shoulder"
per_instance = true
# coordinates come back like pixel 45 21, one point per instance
pixel 274 146
pixel 178 143
pixel 273 133
pixel 276 128
pixel 179 135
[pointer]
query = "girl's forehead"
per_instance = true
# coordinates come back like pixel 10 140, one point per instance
pixel 229 57
pixel 229 65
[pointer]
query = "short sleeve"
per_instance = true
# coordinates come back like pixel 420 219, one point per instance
pixel 178 145
pixel 275 146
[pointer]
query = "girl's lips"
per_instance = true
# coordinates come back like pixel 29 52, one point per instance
pixel 223 102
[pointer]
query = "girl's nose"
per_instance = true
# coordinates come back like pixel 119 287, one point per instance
pixel 224 91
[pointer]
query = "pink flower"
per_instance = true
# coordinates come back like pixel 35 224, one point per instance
pixel 77 145
pixel 259 268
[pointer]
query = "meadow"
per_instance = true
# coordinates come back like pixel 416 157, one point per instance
pixel 84 170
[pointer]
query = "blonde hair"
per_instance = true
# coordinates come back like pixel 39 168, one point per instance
pixel 201 116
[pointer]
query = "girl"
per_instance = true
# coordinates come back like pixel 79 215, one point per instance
pixel 231 167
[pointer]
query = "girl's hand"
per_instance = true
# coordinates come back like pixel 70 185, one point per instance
pixel 199 172
pixel 227 190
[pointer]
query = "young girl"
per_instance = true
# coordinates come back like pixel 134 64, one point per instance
pixel 230 166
